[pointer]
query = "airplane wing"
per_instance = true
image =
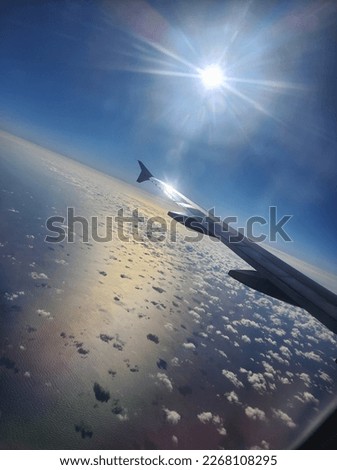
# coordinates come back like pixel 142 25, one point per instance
pixel 270 275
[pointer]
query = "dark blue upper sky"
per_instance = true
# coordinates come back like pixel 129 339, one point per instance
pixel 109 82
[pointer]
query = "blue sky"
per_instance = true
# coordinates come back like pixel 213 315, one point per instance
pixel 109 82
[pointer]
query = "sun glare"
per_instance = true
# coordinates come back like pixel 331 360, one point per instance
pixel 170 192
pixel 212 77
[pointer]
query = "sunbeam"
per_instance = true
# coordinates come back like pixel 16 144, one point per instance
pixel 212 77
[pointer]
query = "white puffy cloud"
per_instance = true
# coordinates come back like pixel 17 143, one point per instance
pixel 175 361
pixel 278 358
pixel 271 341
pixel 255 413
pixel 257 381
pixel 205 417
pixel 35 275
pixel 305 378
pixel 309 355
pixel 265 445
pixel 208 417
pixel 232 397
pixel 268 368
pixel 165 381
pixel 312 339
pixel 324 376
pixel 194 314
pixel 123 416
pixel 284 380
pixel 43 313
pixel 232 377
pixel 307 397
pixel 245 339
pixel 248 323
pixel 282 416
pixel 14 295
pixel 172 417
pixel 199 310
pixel 222 353
pixel 259 340
pixel 326 335
pixel 231 329
pixel 295 333
pixel 189 346
pixel 286 352
pixel 222 431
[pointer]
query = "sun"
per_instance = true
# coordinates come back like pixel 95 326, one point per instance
pixel 212 77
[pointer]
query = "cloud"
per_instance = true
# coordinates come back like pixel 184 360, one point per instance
pixel 257 381
pixel 61 261
pixel 324 376
pixel 14 295
pixel 231 329
pixel 248 323
pixel 284 380
pixel 305 378
pixel 189 346
pixel 195 315
pixel 232 397
pixel 286 352
pixel 232 378
pixel 165 381
pixel 222 431
pixel 222 353
pixel 255 413
pixel 208 417
pixel 35 275
pixel 172 417
pixel 327 335
pixel 282 416
pixel 263 445
pixel 268 368
pixel 43 313
pixel 199 310
pixel 259 340
pixel 205 417
pixel 278 358
pixel 307 397
pixel 309 355
pixel 175 361
pixel 245 339
pixel 123 416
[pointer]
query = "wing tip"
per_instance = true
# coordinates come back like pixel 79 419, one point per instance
pixel 145 174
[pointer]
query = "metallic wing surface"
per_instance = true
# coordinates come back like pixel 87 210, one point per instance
pixel 270 275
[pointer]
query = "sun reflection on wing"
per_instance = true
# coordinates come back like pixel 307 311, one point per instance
pixel 170 191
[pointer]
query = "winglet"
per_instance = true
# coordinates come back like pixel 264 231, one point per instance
pixel 145 175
